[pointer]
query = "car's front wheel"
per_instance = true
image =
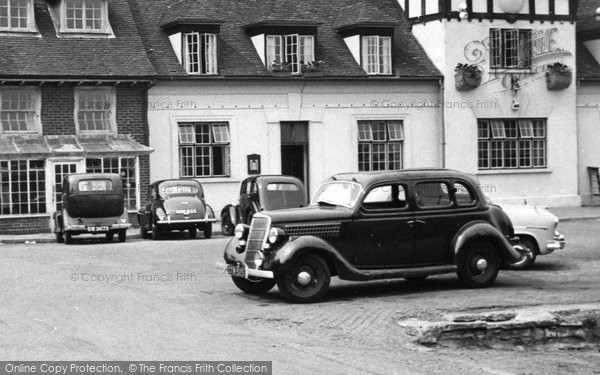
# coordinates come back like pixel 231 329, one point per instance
pixel 307 280
pixel 527 261
pixel 192 232
pixel 478 264
pixel 227 226
pixel 253 285
pixel 156 232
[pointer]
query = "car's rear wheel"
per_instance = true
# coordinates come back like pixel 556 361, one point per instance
pixel 110 236
pixel 307 280
pixel 253 285
pixel 59 237
pixel 143 232
pixel 207 230
pixel 527 261
pixel 193 232
pixel 122 235
pixel 68 238
pixel 478 264
pixel 227 226
pixel 156 232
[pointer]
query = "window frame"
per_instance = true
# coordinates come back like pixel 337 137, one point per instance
pixel 510 57
pixel 35 94
pixel 112 116
pixel 366 141
pixel 206 53
pixel 519 152
pixel 449 187
pixel 279 50
pixel 105 24
pixel 189 150
pixel 30 16
pixel 383 59
pixel 39 181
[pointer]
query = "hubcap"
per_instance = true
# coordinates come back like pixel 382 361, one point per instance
pixel 482 264
pixel 304 278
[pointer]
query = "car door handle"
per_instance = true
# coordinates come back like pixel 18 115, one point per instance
pixel 411 222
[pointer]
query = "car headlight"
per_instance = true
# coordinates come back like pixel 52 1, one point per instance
pixel 241 231
pixel 160 213
pixel 275 235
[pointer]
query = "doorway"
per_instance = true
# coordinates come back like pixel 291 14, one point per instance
pixel 294 150
pixel 60 169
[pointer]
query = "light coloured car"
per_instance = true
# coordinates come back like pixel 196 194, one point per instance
pixel 537 230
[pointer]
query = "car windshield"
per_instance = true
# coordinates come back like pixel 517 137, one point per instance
pixel 338 193
pixel 173 188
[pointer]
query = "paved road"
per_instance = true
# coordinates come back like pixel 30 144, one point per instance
pixel 145 300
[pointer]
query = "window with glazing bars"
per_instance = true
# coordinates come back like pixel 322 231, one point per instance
pixel 22 187
pixel 377 54
pixel 380 145
pixel 514 143
pixel 123 166
pixel 510 49
pixel 200 53
pixel 95 109
pixel 18 110
pixel 84 15
pixel 16 15
pixel 204 149
pixel 295 50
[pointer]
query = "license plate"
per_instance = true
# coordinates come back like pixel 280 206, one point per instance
pixel 97 229
pixel 236 271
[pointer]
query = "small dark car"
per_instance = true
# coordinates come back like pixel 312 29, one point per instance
pixel 260 193
pixel 366 226
pixel 176 204
pixel 92 203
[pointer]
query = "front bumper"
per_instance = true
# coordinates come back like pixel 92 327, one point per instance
pixel 194 221
pixel 559 243
pixel 247 271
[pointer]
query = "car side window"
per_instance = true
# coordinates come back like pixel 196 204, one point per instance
pixel 432 194
pixel 385 197
pixel 463 195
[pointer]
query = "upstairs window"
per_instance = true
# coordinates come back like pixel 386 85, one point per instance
pixel 289 52
pixel 510 49
pixel 200 53
pixel 16 15
pixel 19 110
pixel 377 54
pixel 95 110
pixel 84 16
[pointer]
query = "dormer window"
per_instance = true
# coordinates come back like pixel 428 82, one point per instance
pixel 16 15
pixel 291 50
pixel 82 16
pixel 200 53
pixel 377 54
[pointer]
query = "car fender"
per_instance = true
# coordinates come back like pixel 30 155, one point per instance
pixel 483 230
pixel 56 222
pixel 284 256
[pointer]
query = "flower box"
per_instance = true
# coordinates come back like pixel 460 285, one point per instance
pixel 558 77
pixel 467 77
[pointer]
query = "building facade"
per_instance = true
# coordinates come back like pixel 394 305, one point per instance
pixel 303 88
pixel 74 77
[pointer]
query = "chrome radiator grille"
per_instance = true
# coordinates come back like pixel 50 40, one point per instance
pixel 325 230
pixel 259 230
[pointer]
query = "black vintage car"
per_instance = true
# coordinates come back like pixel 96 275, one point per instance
pixel 92 203
pixel 260 193
pixel 365 226
pixel 176 204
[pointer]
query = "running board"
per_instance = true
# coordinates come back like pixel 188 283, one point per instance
pixel 404 273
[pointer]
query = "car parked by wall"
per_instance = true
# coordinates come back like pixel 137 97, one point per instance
pixel 176 204
pixel 92 203
pixel 537 229
pixel 259 193
pixel 366 226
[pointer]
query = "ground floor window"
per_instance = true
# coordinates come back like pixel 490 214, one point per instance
pixel 204 149
pixel 123 166
pixel 22 187
pixel 380 145
pixel 511 144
